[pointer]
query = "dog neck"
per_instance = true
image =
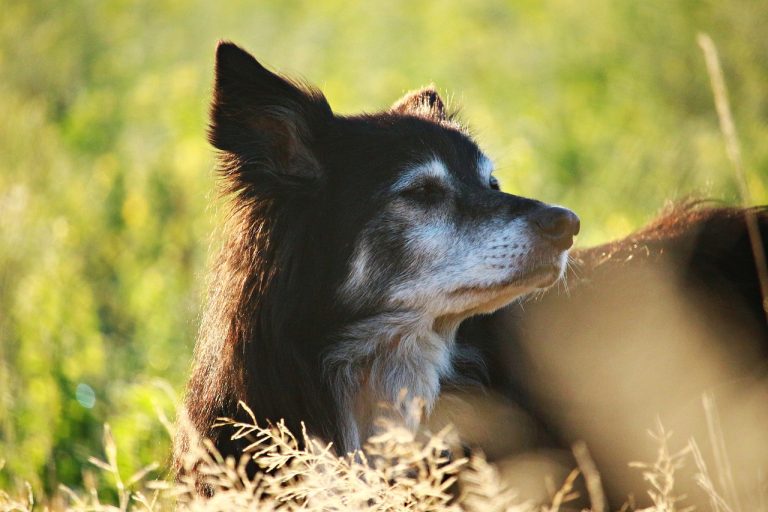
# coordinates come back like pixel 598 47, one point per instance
pixel 388 366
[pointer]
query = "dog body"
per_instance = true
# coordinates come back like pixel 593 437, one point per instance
pixel 649 323
pixel 355 247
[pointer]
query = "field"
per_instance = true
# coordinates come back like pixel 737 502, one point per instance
pixel 108 199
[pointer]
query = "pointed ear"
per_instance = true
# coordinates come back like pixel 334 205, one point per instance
pixel 425 102
pixel 263 123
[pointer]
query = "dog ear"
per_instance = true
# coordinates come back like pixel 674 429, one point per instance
pixel 263 123
pixel 425 102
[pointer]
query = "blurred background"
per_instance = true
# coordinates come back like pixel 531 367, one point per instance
pixel 107 190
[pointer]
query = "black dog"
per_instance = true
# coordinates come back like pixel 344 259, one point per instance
pixel 356 246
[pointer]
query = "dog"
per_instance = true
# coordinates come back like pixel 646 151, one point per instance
pixel 357 246
pixel 354 249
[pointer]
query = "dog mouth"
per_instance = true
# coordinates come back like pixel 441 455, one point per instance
pixel 539 276
pixel 542 275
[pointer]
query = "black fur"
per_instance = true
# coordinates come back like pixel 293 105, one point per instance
pixel 301 183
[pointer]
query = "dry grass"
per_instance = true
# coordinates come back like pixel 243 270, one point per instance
pixel 397 471
pixel 733 150
pixel 660 474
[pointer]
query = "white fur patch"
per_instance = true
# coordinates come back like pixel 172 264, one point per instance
pixel 358 270
pixel 391 359
pixel 434 168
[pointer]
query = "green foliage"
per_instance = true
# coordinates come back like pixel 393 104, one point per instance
pixel 106 200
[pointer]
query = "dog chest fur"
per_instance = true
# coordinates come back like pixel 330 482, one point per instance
pixel 381 364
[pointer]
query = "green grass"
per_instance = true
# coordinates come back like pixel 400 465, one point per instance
pixel 106 183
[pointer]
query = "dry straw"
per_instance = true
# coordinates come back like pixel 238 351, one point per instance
pixel 397 470
pixel 733 149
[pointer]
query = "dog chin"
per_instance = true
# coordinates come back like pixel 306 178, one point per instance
pixel 541 275
pixel 544 276
pixel 534 277
pixel 493 296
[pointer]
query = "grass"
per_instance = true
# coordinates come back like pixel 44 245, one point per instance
pixel 105 202
pixel 397 470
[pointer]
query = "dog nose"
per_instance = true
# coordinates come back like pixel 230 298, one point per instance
pixel 558 225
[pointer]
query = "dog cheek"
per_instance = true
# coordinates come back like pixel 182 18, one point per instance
pixel 431 243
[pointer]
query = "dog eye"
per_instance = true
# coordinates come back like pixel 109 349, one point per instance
pixel 494 183
pixel 426 192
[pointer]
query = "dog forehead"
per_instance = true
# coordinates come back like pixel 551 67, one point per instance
pixel 397 148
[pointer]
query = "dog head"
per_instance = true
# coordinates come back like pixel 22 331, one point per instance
pixel 398 210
